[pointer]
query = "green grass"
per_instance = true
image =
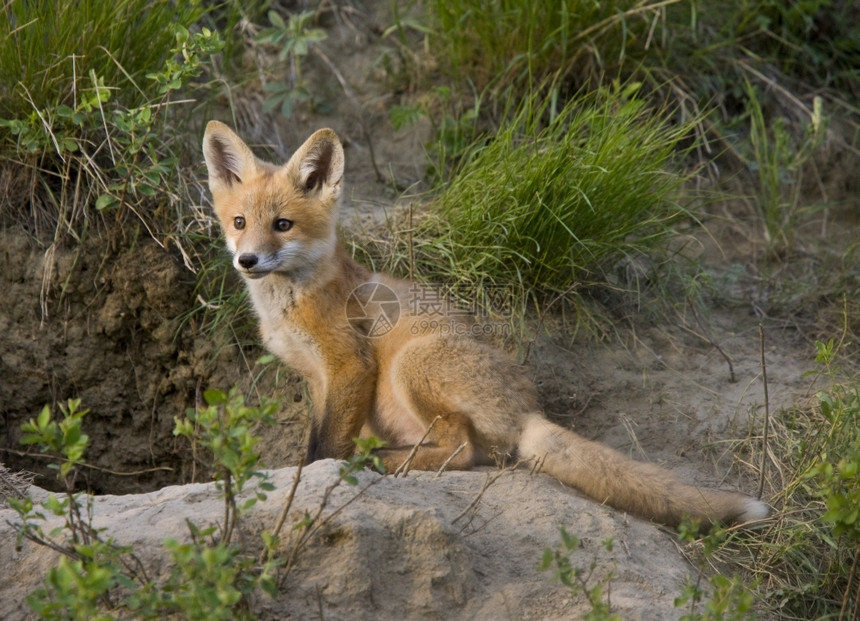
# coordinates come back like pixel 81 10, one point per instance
pixel 85 111
pixel 686 50
pixel 49 50
pixel 554 199
pixel 521 44
pixel 777 160
pixel 747 70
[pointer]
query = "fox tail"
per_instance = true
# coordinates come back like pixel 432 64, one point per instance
pixel 640 488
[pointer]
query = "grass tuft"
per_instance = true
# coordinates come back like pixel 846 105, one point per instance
pixel 556 197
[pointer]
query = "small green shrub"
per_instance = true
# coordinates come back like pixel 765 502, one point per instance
pixel 223 431
pixel 77 589
pixel 581 581
pixel 97 579
pixel 92 572
pixel 730 600
pixel 64 439
pixel 725 599
pixel 777 159
pixel 292 39
pixel 209 580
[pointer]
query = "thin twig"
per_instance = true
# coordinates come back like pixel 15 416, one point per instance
pixel 537 465
pixel 229 508
pixel 456 452
pixel 491 478
pixel 404 467
pixel 287 505
pixel 766 413
pixel 711 340
pixel 338 75
pixel 316 523
pixel 130 473
pixel 846 597
pixel 351 95
pixel 32 536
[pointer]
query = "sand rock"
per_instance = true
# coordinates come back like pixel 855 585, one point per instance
pixel 414 547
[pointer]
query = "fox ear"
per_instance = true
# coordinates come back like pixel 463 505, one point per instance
pixel 228 159
pixel 317 166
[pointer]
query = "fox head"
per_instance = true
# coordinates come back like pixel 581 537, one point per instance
pixel 275 218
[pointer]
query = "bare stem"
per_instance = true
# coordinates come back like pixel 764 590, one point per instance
pixel 404 467
pixel 766 414
pixel 456 452
pixel 711 340
pixel 287 505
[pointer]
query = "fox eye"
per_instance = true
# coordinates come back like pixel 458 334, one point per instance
pixel 239 222
pixel 283 225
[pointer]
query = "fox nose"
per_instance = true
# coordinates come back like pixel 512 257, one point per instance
pixel 247 260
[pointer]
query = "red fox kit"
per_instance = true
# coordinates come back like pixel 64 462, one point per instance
pixel 351 334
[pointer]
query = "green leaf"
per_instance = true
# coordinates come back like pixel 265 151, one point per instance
pixel 64 111
pixel 72 435
pixel 270 540
pixel 571 542
pixel 106 201
pixel 181 33
pixel 44 417
pixel 277 20
pixel 68 144
pixel 546 561
pixel 213 396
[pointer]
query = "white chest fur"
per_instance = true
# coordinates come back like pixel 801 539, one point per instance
pixel 283 337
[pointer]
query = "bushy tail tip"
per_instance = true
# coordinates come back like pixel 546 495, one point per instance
pixel 754 511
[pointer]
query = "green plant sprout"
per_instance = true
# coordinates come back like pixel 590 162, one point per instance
pixel 730 599
pixel 581 580
pixel 223 429
pixel 293 39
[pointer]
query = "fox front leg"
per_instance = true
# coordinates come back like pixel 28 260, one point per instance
pixel 343 410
